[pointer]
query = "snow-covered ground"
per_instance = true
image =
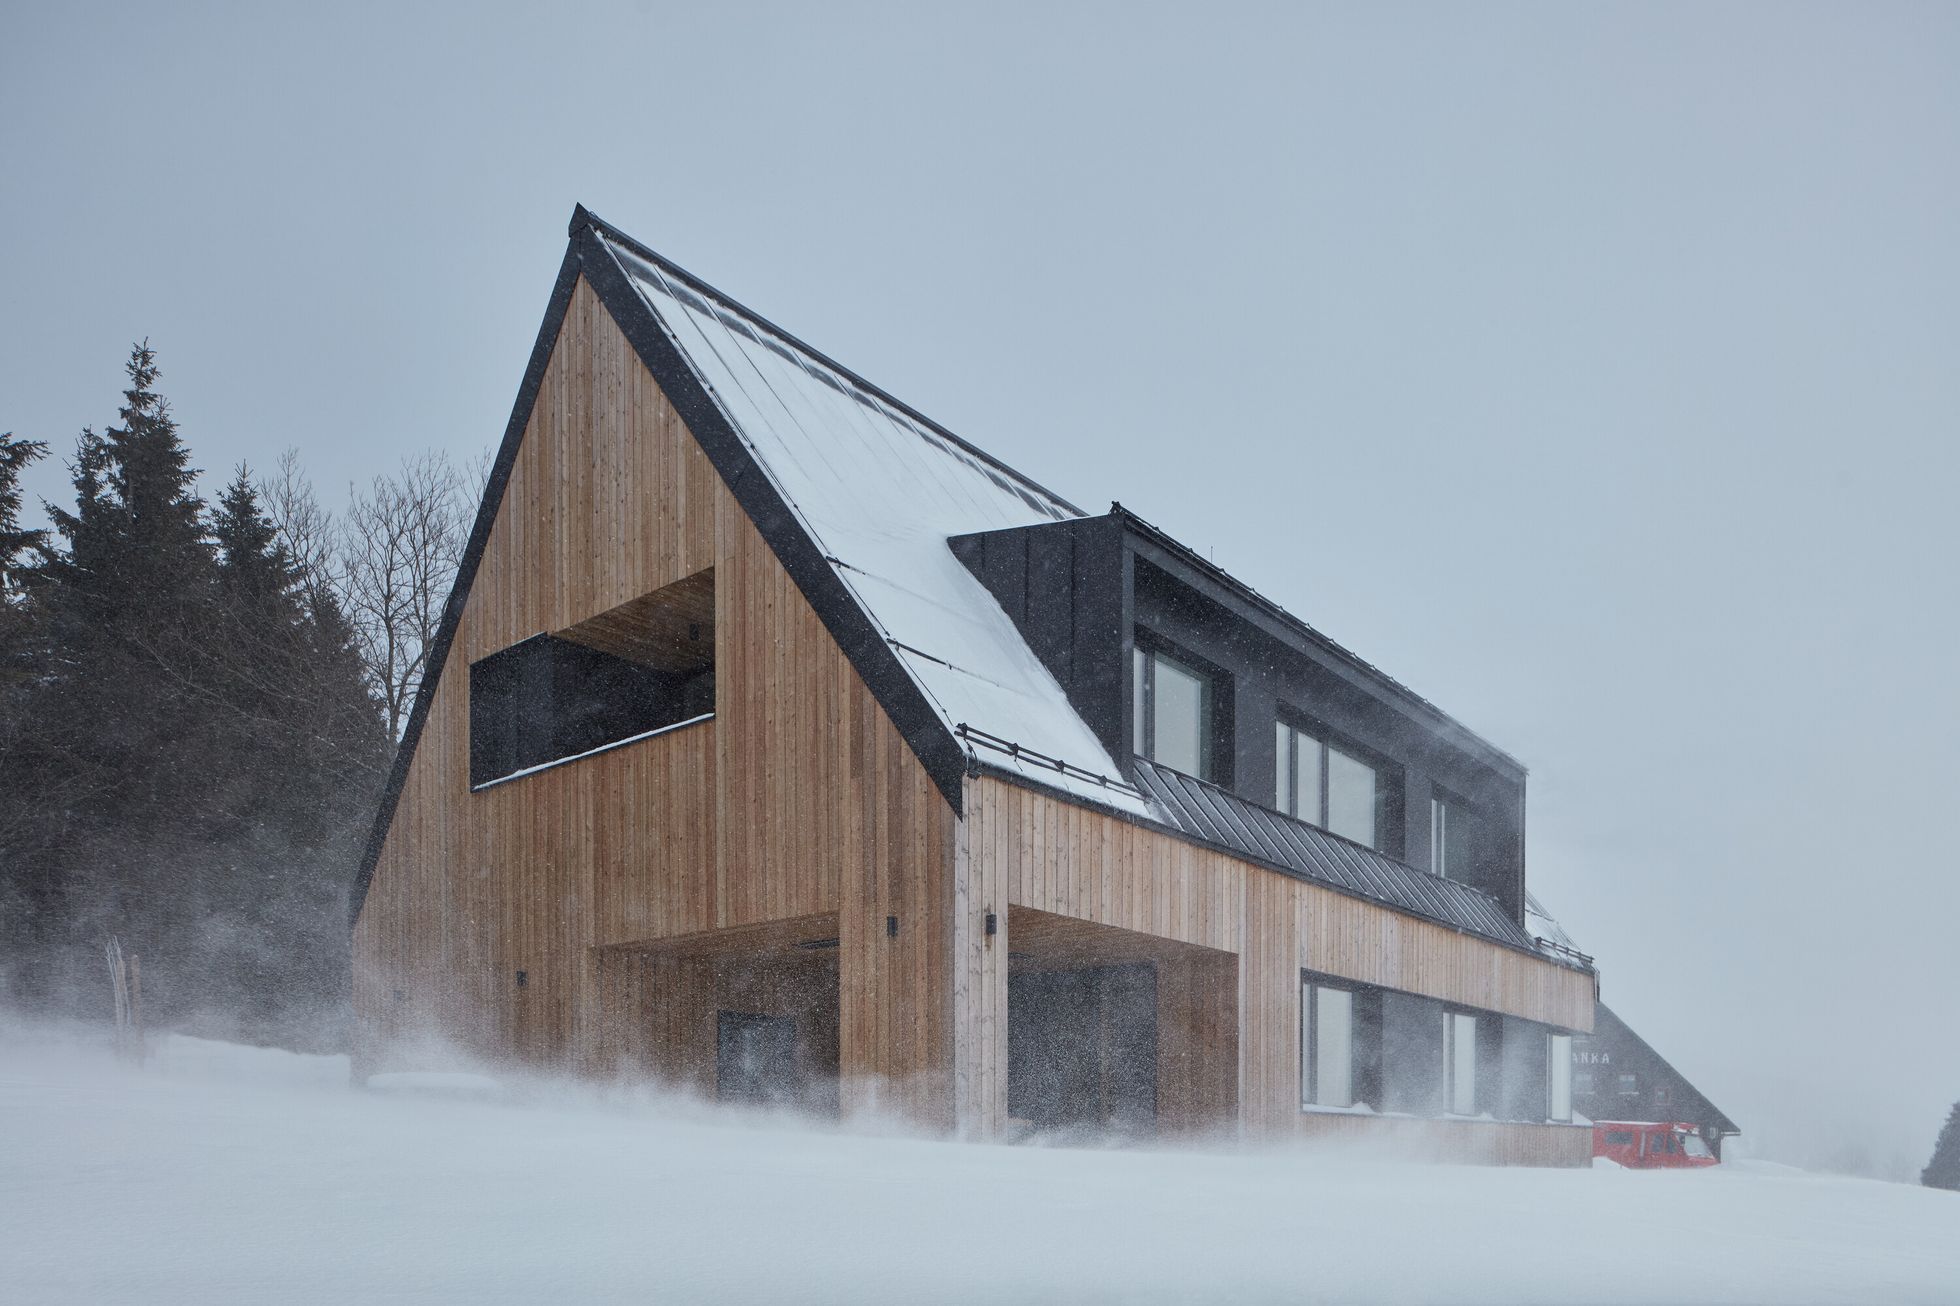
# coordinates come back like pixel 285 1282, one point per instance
pixel 222 1174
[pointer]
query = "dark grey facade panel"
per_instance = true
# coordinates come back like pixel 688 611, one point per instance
pixel 1063 584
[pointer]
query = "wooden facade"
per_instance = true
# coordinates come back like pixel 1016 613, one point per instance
pixel 1033 850
pixel 798 799
pixel 592 917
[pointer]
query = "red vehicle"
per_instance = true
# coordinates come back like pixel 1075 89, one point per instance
pixel 1645 1145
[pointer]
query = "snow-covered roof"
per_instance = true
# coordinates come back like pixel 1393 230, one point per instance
pixel 880 490
pixel 1543 926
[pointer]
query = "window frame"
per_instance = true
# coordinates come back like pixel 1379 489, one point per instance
pixel 1302 727
pixel 1553 1038
pixel 1440 806
pixel 1452 1040
pixel 1146 647
pixel 1311 987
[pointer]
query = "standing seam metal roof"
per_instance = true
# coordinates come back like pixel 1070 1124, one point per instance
pixel 1214 815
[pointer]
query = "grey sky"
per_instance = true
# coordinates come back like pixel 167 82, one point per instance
pixel 1590 368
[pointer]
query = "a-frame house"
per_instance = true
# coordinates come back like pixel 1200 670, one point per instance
pixel 780 746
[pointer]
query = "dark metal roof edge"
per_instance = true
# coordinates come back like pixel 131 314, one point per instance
pixel 1218 575
pixel 437 653
pixel 873 657
pixel 980 766
pixel 583 218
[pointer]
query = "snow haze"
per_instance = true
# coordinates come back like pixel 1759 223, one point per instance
pixel 226 1174
pixel 1589 368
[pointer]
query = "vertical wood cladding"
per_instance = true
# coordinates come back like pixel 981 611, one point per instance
pixel 1057 857
pixel 798 798
pixel 799 802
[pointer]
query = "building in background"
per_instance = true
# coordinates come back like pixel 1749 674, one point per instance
pixel 1617 1075
pixel 781 747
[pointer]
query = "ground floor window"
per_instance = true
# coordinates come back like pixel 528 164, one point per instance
pixel 1405 1054
pixel 1460 1063
pixel 1326 1045
pixel 1559 1073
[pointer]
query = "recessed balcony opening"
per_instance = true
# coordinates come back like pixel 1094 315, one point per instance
pixel 641 668
pixel 747 1016
pixel 1116 1034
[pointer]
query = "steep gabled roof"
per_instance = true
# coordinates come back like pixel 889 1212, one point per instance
pixel 858 495
pixel 876 489
pixel 855 492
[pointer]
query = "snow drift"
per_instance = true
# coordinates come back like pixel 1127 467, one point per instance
pixel 227 1174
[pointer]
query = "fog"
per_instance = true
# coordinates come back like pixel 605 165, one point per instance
pixel 1588 368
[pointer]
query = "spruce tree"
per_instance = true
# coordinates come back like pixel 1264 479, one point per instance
pixel 198 751
pixel 1943 1171
pixel 298 713
pixel 15 540
pixel 119 721
pixel 19 641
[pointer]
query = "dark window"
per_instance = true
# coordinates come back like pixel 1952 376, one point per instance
pixel 755 1058
pixel 1582 1083
pixel 1083 1048
pixel 1326 785
pixel 1629 1086
pixel 640 668
pixel 1619 1138
pixel 1412 1060
pixel 1660 1095
pixel 1175 705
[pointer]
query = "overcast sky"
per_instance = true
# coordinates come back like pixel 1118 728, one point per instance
pixel 1592 369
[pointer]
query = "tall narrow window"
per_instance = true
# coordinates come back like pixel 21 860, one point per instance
pixel 1300 757
pixel 1326 1045
pixel 1560 1074
pixel 1173 705
pixel 1325 785
pixel 1460 1063
pixel 1439 836
pixel 1449 839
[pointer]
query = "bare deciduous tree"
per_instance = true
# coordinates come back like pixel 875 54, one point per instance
pixel 308 532
pixel 399 547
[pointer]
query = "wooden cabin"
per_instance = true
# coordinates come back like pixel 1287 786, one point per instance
pixel 782 747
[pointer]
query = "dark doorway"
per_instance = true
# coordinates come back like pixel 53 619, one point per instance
pixel 755 1059
pixel 1082 1049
